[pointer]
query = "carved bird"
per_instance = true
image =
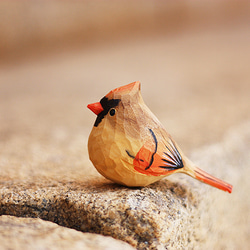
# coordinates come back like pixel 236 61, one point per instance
pixel 128 144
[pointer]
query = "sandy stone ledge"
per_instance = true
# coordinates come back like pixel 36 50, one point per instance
pixel 146 217
pixel 175 213
pixel 29 233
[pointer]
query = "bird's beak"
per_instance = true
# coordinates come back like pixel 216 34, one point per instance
pixel 96 107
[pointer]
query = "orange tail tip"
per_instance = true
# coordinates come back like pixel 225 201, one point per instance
pixel 213 181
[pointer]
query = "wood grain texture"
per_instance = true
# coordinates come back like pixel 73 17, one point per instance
pixel 129 145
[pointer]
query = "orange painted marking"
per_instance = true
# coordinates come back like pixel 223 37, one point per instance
pixel 127 88
pixel 211 180
pixel 95 107
pixel 145 164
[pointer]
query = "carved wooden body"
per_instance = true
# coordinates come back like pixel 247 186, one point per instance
pixel 129 145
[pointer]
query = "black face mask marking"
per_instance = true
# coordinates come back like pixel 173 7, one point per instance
pixel 107 105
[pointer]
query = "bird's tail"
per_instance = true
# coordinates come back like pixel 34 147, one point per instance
pixel 211 180
pixel 202 176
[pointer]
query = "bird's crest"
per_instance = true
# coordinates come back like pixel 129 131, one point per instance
pixel 131 88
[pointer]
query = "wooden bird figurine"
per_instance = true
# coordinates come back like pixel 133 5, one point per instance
pixel 128 145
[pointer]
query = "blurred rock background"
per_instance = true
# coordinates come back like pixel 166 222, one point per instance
pixel 192 58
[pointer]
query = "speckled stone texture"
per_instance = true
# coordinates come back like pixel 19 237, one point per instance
pixel 28 233
pixel 147 217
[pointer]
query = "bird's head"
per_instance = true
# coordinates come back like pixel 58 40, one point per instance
pixel 114 103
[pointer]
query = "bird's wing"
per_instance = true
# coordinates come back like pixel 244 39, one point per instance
pixel 159 158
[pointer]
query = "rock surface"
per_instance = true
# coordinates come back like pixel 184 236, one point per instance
pixel 168 214
pixel 29 233
pixel 44 126
pixel 148 217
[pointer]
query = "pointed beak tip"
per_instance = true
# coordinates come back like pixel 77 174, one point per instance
pixel 89 106
pixel 95 107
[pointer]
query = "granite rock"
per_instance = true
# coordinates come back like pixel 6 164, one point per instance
pixel 29 233
pixel 149 217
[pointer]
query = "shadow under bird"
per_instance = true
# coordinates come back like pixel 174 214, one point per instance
pixel 128 144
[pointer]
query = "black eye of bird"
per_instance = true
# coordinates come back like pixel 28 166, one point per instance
pixel 112 112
